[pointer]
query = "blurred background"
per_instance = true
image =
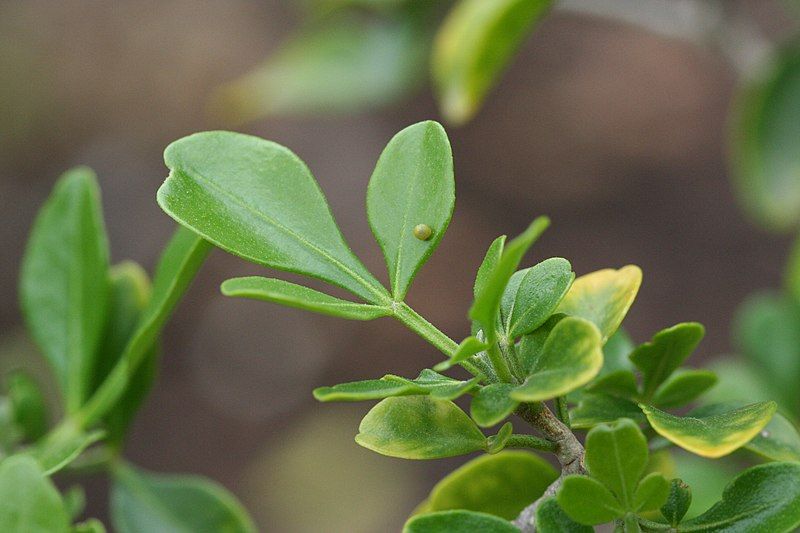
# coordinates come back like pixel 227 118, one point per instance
pixel 618 133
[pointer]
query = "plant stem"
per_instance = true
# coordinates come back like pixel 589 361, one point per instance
pixel 417 323
pixel 529 441
pixel 499 363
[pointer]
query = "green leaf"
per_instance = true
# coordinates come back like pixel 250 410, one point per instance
pixel 707 477
pixel 762 498
pixel 292 295
pixel 28 408
pixel 678 502
pixel 92 525
pixel 659 358
pixel 616 351
pixel 450 521
pixel 571 357
pixel 419 427
pixel 29 502
pixel 488 264
pixel 63 445
pixel 258 200
pixel 651 493
pixel 442 387
pixel 616 455
pixel 74 501
pixel 466 349
pixel 492 404
pixel 778 441
pixel 179 263
pixel 529 349
pixel 715 435
pixel 587 501
pixel 496 443
pixel 129 296
pixel 371 389
pixel 501 485
pixel 595 409
pixel 550 518
pixel 764 143
pixel 487 302
pixel 473 47
pixel 142 501
pixel 738 379
pixel 619 383
pixel 412 184
pixel 683 386
pixel 603 297
pixel 345 64
pixel 539 292
pixel 767 332
pixel 64 282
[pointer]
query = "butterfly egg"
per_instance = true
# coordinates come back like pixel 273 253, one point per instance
pixel 422 232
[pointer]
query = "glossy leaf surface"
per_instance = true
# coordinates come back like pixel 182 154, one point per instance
pixel 143 501
pixel 572 355
pixel 474 44
pixel 29 502
pixel 603 297
pixel 450 521
pixel 419 427
pixel 715 435
pixel 258 200
pixel 64 282
pixel 412 184
pixel 293 295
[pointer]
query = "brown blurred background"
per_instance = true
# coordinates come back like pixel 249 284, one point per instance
pixel 617 134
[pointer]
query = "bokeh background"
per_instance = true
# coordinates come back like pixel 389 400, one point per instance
pixel 617 133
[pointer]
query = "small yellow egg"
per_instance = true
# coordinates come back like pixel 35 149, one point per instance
pixel 423 232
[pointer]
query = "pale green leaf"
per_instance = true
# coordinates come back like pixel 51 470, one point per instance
pixel 258 200
pixel 501 484
pixel 659 358
pixel 443 387
pixel 473 47
pixel 64 282
pixel 496 443
pixel 466 349
pixel 371 389
pixel 715 435
pixel 572 355
pixel 412 184
pixel 62 446
pixel 486 306
pixel 451 521
pixel 143 501
pixel 29 502
pixel 419 427
pixel 492 404
pixel 603 297
pixel 293 295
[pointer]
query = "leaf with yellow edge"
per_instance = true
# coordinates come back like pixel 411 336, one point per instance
pixel 603 297
pixel 715 435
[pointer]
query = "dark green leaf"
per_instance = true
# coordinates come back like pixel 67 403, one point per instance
pixel 486 306
pixel 539 292
pixel 659 358
pixel 473 47
pixel 64 282
pixel 764 144
pixel 683 386
pixel 762 498
pixel 292 295
pixel 343 65
pixel 501 484
pixel 550 518
pixel 603 297
pixel 529 349
pixel 572 355
pixel 492 404
pixel 595 409
pixel 451 521
pixel 651 493
pixel 419 427
pixel 142 501
pixel 778 441
pixel 28 409
pixel 258 200
pixel 616 455
pixel 678 501
pixel 713 435
pixel 587 501
pixel 412 184
pixel 466 349
pixel 616 352
pixel 707 477
pixel 488 264
pixel 29 502
pixel 619 383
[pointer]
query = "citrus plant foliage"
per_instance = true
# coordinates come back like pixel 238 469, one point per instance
pixel 98 325
pixel 545 346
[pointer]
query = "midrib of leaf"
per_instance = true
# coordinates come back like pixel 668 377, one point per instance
pixel 258 214
pixel 404 227
pixel 618 460
pixel 74 333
